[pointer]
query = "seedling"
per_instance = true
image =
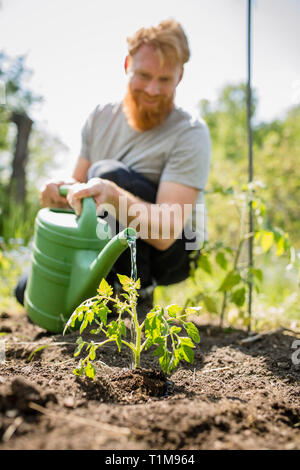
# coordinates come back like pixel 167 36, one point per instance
pixel 162 328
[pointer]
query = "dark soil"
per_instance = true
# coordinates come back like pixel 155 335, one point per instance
pixel 235 396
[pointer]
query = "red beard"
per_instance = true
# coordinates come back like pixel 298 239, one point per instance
pixel 141 118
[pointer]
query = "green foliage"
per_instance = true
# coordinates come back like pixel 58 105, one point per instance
pixel 162 328
pixel 275 150
pixel 16 220
pixel 10 270
pixel 15 75
pixel 230 262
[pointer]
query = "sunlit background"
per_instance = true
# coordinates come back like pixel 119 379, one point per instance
pixel 76 50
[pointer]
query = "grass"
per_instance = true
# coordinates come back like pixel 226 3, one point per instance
pixel 12 263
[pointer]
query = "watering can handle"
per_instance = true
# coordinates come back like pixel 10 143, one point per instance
pixel 87 221
pixel 63 189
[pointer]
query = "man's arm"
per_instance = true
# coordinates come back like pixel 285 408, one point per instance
pixel 159 224
pixel 81 170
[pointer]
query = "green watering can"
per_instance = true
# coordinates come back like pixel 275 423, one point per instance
pixel 70 257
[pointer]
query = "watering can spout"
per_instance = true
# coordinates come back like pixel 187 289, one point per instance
pixel 87 273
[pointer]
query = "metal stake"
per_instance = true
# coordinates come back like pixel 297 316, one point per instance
pixel 250 158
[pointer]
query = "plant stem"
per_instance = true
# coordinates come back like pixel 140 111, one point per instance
pixel 135 331
pixel 224 304
pixel 235 263
pixel 138 348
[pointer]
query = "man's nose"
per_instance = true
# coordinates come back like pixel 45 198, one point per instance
pixel 152 88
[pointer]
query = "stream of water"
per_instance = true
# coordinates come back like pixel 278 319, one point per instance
pixel 132 245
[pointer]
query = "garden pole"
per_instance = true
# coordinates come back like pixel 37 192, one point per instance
pixel 250 158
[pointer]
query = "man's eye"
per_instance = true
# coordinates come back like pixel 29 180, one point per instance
pixel 144 76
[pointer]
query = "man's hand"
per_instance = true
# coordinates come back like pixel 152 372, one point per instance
pixel 98 188
pixel 49 195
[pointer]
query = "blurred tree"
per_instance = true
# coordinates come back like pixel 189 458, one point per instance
pixel 28 152
pixel 18 103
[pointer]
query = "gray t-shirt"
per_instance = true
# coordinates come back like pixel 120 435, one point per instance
pixel 179 150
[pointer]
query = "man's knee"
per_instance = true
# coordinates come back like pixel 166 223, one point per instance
pixel 20 288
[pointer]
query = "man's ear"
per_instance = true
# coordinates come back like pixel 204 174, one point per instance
pixel 126 64
pixel 180 76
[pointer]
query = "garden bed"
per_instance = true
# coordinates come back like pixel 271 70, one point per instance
pixel 236 395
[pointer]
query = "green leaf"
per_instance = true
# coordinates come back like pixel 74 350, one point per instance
pixel 174 362
pixel 257 273
pixel 102 314
pixel 123 330
pixel 80 318
pixel 92 354
pixel 90 316
pixel 221 260
pixel 80 343
pixel 186 341
pixel 78 371
pixel 175 329
pixel 187 354
pixel 231 280
pixel 282 241
pixel 164 361
pixel 83 326
pixel 159 350
pixel 192 331
pixel 96 331
pixel 78 314
pixel 112 328
pixel 238 296
pixel 119 342
pixel 128 283
pixel 192 310
pixel 90 370
pixel 205 264
pixel 153 326
pixel 72 319
pixel 278 233
pixel 267 240
pixel 280 247
pixel 124 280
pixel 210 304
pixel 173 310
pixel 104 289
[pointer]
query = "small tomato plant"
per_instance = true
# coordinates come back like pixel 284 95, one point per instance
pixel 237 274
pixel 162 328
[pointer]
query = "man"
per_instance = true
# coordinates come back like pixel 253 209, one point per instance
pixel 146 153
